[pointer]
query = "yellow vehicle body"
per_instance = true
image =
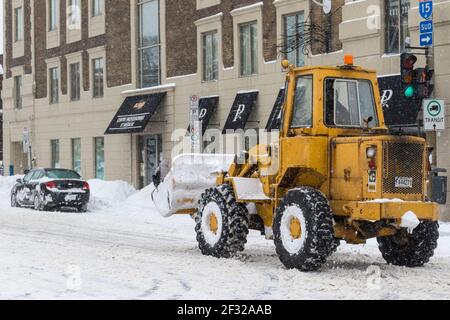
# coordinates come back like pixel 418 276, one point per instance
pixel 334 160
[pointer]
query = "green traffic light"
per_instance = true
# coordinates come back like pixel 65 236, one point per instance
pixel 409 92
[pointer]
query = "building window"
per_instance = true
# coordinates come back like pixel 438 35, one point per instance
pixel 149 44
pixel 18 92
pixel 55 153
pixel 76 155
pixel 75 82
pixel 293 27
pixel 396 32
pixel 97 67
pixel 74 14
pixel 97 7
pixel 18 24
pixel 99 158
pixel 210 60
pixel 54 85
pixel 53 14
pixel 249 48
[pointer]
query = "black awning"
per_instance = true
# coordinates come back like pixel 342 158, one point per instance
pixel 135 113
pixel 207 106
pixel 397 109
pixel 240 111
pixel 274 122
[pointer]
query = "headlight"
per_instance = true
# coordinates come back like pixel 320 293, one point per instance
pixel 371 152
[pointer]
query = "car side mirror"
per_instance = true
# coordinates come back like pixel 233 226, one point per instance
pixel 19 181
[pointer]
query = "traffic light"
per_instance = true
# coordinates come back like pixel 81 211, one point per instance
pixel 424 82
pixel 407 61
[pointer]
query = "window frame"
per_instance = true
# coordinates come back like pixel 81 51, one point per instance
pixel 311 75
pixel 76 97
pixel 55 152
pixel 325 109
pixel 400 43
pixel 54 99
pixel 74 13
pixel 97 10
pixel 142 48
pixel 53 19
pixel 78 140
pixel 298 52
pixel 18 25
pixel 215 58
pixel 98 90
pixel 18 92
pixel 253 48
pixel 96 160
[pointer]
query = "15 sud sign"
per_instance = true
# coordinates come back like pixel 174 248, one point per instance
pixel 434 115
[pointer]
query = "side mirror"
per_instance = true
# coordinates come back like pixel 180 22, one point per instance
pixel 19 181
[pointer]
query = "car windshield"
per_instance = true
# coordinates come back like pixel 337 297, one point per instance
pixel 62 174
pixel 350 103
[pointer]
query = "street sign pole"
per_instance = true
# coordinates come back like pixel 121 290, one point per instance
pixel 195 125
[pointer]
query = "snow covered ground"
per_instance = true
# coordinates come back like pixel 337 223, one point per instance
pixel 122 249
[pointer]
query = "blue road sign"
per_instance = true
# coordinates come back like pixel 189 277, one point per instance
pixel 426 9
pixel 426 26
pixel 426 39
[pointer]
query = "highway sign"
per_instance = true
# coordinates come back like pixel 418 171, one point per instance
pixel 426 26
pixel 426 39
pixel 426 9
pixel 434 114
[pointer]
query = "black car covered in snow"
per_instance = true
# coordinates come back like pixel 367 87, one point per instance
pixel 51 189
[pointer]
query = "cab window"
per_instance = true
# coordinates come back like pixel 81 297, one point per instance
pixel 302 113
pixel 350 103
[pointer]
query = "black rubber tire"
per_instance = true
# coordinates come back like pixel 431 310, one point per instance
pixel 410 250
pixel 82 209
pixel 319 242
pixel 14 202
pixel 39 206
pixel 235 223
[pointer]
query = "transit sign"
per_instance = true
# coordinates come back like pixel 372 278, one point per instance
pixel 434 114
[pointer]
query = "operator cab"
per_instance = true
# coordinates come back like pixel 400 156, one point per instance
pixel 332 100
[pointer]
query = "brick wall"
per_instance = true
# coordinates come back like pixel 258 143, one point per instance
pixel 329 24
pixel 25 60
pixel 117 41
pixel 181 33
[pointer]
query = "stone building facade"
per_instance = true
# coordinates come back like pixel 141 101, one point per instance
pixel 152 55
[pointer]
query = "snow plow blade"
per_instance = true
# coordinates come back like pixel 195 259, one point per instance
pixel 189 177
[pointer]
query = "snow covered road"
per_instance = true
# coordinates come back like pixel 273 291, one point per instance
pixel 122 249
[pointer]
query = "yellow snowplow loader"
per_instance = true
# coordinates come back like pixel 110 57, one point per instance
pixel 335 173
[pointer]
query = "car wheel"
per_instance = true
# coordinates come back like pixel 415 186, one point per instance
pixel 14 203
pixel 38 203
pixel 82 209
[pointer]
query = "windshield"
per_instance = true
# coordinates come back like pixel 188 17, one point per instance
pixel 62 174
pixel 302 114
pixel 350 103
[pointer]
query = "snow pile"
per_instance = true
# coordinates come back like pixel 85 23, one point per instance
pixel 410 221
pixel 108 194
pixel 6 184
pixel 142 198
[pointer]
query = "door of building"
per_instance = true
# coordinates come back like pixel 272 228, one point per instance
pixel 150 157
